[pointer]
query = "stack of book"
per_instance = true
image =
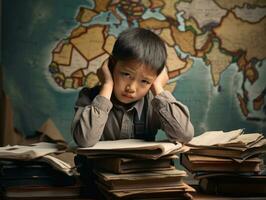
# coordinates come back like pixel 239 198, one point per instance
pixel 137 169
pixel 37 171
pixel 228 163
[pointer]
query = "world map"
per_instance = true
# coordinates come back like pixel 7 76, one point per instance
pixel 216 57
pixel 191 29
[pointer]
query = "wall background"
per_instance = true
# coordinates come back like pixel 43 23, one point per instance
pixel 216 57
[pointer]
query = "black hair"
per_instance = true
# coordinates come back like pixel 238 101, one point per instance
pixel 141 45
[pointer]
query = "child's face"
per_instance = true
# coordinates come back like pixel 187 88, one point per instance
pixel 132 81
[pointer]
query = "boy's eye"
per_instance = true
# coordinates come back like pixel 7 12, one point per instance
pixel 146 82
pixel 125 74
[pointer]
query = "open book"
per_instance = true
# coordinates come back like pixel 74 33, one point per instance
pixel 63 162
pixel 233 144
pixel 21 152
pixel 132 147
pixel 214 138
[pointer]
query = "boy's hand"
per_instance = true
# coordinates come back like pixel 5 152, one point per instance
pixel 104 74
pixel 160 82
pixel 106 79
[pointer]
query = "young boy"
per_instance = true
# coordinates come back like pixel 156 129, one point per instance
pixel 131 102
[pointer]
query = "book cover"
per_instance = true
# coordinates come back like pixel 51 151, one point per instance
pixel 197 163
pixel 141 180
pixel 181 192
pixel 129 165
pixel 235 185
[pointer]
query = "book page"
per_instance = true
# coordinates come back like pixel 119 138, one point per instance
pixel 245 140
pixel 135 147
pixel 32 151
pixel 211 138
pixel 58 164
pixel 133 144
pixel 141 175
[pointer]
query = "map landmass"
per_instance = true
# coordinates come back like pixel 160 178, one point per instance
pixel 218 33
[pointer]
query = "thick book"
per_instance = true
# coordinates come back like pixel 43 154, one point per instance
pixel 233 144
pixel 182 191
pixel 230 152
pixel 122 165
pixel 133 147
pixel 235 138
pixel 140 180
pixel 16 173
pixel 234 185
pixel 34 192
pixel 197 163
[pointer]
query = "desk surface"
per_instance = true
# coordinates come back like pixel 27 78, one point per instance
pixel 200 196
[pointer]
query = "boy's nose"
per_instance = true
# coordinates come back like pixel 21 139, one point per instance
pixel 131 88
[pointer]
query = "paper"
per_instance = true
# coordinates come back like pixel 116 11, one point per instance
pixel 59 164
pixel 134 147
pixel 245 140
pixel 20 152
pixel 211 138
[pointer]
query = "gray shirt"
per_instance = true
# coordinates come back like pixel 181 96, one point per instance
pixel 98 118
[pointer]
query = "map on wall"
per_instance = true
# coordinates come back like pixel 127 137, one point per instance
pixel 216 55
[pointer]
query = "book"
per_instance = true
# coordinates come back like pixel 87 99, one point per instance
pixel 242 153
pixel 121 165
pixel 200 175
pixel 29 152
pixel 33 192
pixel 197 163
pixel 17 173
pixel 211 138
pixel 235 139
pixel 245 140
pixel 234 185
pixel 63 162
pixel 169 178
pixel 133 147
pixel 179 192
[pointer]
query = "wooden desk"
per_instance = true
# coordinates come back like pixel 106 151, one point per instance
pixel 201 196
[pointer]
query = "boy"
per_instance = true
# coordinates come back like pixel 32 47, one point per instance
pixel 131 102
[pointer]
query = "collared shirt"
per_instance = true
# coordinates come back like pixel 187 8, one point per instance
pixel 98 118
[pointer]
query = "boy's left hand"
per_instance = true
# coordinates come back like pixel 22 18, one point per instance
pixel 160 82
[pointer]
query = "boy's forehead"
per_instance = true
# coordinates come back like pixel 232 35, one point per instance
pixel 134 65
pixel 144 70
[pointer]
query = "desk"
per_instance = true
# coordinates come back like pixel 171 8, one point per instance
pixel 200 196
pixel 196 196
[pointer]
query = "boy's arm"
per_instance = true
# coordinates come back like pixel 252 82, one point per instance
pixel 91 115
pixel 173 115
pixel 90 119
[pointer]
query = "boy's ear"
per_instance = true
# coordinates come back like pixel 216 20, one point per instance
pixel 111 63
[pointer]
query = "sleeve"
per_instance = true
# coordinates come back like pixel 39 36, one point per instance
pixel 174 117
pixel 90 118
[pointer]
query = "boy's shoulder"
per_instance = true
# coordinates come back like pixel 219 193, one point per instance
pixel 86 95
pixel 90 92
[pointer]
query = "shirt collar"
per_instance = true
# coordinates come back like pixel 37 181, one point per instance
pixel 138 106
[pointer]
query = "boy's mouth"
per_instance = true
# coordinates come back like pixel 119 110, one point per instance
pixel 127 96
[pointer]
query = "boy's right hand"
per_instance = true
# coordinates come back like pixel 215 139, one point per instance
pixel 106 79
